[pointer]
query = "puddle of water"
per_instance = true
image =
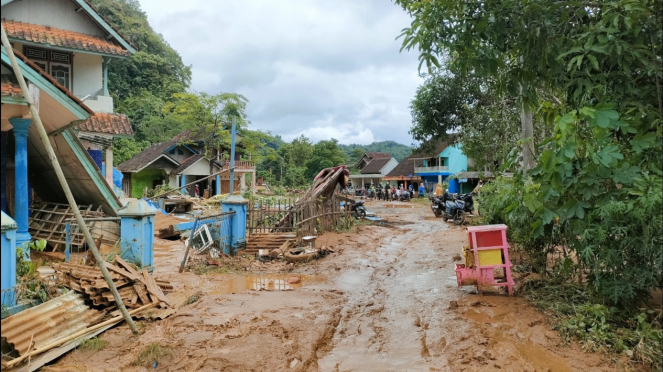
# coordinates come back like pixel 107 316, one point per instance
pixel 227 284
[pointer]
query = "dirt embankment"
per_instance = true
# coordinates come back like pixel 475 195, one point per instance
pixel 387 300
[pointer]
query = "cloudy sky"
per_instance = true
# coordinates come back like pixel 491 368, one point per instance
pixel 322 68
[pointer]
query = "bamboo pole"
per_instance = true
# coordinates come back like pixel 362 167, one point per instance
pixel 63 181
pixel 189 184
pixel 76 335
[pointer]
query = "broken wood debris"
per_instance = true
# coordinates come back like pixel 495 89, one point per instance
pixel 136 289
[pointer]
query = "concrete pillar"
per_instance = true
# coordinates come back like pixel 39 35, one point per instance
pixel 218 184
pixel 137 232
pixel 21 206
pixel 182 183
pixel 253 182
pixel 109 165
pixel 242 182
pixel 237 238
pixel 3 171
pixel 8 261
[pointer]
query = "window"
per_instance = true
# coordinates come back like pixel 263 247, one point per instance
pixel 179 152
pixel 57 64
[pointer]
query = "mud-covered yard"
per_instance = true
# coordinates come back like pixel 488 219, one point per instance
pixel 387 300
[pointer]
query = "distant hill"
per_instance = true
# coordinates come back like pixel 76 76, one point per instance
pixel 396 149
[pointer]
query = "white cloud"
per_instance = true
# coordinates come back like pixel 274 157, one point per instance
pixel 325 69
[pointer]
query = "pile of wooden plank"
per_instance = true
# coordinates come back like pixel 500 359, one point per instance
pixel 136 288
pixel 266 241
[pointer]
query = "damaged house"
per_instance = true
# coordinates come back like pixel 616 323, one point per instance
pixel 62 48
pixel 181 161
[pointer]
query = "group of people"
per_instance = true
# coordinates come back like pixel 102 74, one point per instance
pixel 385 192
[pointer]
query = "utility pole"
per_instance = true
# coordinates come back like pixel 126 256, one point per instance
pixel 232 158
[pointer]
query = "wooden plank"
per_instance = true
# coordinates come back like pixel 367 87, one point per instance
pixel 128 267
pixel 142 294
pixel 153 288
pixel 122 271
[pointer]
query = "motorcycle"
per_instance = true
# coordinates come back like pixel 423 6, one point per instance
pixel 452 207
pixel 405 196
pixel 358 211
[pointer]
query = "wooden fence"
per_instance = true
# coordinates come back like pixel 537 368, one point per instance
pixel 309 218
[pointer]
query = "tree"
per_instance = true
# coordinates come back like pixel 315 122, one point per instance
pixel 591 71
pixel 356 154
pixel 326 154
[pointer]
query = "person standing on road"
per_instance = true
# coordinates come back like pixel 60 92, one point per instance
pixel 197 191
pixel 422 190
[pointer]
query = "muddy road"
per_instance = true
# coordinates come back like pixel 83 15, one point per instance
pixel 387 300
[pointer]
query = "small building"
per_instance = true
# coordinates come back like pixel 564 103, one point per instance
pixel 70 41
pixel 373 166
pixel 403 173
pixel 179 162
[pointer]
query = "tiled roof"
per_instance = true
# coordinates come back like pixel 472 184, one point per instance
pixel 406 166
pixel 146 157
pixel 10 88
pixel 116 124
pixel 52 81
pixel 375 165
pixel 378 155
pixel 62 38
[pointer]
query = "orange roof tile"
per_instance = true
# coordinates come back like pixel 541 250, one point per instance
pixel 10 88
pixel 107 123
pixel 63 38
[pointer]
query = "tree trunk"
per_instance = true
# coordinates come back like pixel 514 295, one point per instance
pixel 527 138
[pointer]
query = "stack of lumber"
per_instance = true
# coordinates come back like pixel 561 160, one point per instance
pixel 136 288
pixel 266 241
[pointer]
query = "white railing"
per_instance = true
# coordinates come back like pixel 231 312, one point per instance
pixel 437 168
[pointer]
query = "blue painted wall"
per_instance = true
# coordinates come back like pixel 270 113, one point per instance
pixel 457 160
pixel 96 156
pixel 8 261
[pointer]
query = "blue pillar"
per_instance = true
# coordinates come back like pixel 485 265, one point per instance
pixel 3 170
pixel 182 183
pixel 21 206
pixel 137 232
pixel 237 239
pixel 232 158
pixel 218 184
pixel 454 186
pixel 8 261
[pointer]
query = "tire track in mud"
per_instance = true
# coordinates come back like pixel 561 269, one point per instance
pixel 392 294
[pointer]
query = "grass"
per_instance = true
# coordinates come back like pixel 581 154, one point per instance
pixel 577 314
pixel 93 344
pixel 193 298
pixel 151 354
pixel 422 201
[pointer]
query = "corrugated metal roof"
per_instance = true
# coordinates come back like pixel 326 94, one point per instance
pixel 48 322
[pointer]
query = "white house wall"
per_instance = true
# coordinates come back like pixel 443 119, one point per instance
pixel 201 168
pixel 389 166
pixel 88 75
pixel 55 13
pixel 185 154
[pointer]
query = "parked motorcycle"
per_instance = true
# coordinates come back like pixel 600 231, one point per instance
pixel 358 211
pixel 404 196
pixel 453 207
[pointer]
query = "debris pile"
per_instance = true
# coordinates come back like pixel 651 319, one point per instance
pixel 135 288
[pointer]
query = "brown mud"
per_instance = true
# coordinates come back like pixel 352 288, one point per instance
pixel 387 300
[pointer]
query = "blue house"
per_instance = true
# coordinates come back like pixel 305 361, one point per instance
pixel 447 161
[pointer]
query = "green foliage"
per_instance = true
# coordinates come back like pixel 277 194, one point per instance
pixel 505 201
pixel 395 149
pixel 151 354
pixel 93 344
pixel 578 314
pixel 325 154
pixel 23 267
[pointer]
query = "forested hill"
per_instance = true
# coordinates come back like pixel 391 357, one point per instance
pixel 396 149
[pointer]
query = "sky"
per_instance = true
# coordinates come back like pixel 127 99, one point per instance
pixel 322 68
